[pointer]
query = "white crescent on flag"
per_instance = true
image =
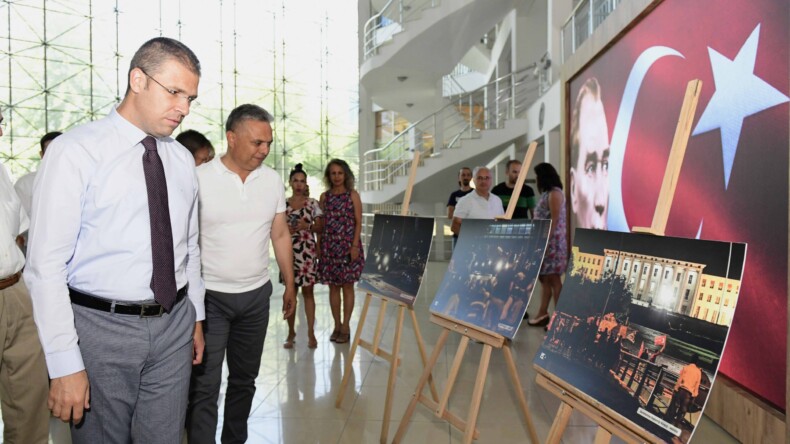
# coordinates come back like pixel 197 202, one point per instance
pixel 616 220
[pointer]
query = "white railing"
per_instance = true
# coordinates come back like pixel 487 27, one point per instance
pixel 586 16
pixel 384 24
pixel 487 107
pixel 450 84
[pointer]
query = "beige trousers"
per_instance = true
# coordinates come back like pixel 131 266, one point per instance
pixel 24 383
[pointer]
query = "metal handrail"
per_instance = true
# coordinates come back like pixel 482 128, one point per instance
pixel 368 33
pixel 406 9
pixel 464 117
pixel 592 8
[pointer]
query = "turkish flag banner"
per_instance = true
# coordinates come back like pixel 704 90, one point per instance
pixel 733 185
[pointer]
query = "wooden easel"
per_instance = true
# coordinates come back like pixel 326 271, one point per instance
pixel 489 340
pixel 609 422
pixel 374 347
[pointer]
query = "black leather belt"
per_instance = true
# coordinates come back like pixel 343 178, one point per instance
pixel 122 307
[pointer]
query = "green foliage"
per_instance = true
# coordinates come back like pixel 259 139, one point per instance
pixel 584 297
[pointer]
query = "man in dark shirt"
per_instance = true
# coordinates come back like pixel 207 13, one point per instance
pixel 526 198
pixel 464 179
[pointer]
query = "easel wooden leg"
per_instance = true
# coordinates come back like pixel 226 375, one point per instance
pixel 423 355
pixel 511 366
pixel 354 345
pixel 560 423
pixel 393 375
pixel 477 394
pixel 602 436
pixel 426 374
pixel 379 325
pixel 459 356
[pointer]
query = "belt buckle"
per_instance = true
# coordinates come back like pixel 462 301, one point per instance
pixel 155 315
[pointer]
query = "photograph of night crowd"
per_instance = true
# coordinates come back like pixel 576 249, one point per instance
pixel 397 255
pixel 492 272
pixel 642 323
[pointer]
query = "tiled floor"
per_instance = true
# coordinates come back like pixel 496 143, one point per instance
pixel 295 400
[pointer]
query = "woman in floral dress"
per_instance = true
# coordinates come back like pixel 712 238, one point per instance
pixel 341 257
pixel 303 216
pixel 555 259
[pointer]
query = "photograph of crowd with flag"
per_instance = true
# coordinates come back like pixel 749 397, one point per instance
pixel 733 185
pixel 642 323
pixel 397 255
pixel 492 273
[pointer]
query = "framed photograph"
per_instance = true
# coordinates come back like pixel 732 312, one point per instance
pixel 492 273
pixel 397 256
pixel 641 325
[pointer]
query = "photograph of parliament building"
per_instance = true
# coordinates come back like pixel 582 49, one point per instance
pixel 624 332
pixel 674 285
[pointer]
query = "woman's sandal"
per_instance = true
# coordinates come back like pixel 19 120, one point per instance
pixel 342 338
pixel 333 337
pixel 289 342
pixel 540 321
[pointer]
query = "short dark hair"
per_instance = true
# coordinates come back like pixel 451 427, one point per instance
pixel 511 162
pixel 247 111
pixel 459 174
pixel 156 51
pixel 298 168
pixel 349 182
pixel 194 141
pixel 547 177
pixel 694 359
pixel 48 137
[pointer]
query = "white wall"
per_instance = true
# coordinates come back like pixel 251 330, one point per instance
pixel 531 26
pixel 558 12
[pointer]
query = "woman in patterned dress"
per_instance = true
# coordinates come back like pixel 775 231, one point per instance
pixel 555 259
pixel 303 216
pixel 341 257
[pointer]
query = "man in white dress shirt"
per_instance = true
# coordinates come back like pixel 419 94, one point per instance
pixel 113 253
pixel 24 185
pixel 480 203
pixel 242 209
pixel 23 373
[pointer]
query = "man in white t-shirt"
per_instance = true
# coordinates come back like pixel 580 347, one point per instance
pixel 480 203
pixel 242 209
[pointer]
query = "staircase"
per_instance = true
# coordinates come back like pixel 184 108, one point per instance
pixel 472 124
pixel 411 44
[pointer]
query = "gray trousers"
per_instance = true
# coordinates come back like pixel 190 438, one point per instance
pixel 138 369
pixel 235 323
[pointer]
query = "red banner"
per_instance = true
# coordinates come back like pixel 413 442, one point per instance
pixel 733 184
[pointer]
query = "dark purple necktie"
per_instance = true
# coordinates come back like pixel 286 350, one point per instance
pixel 163 278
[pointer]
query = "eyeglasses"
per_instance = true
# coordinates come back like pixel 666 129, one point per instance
pixel 190 99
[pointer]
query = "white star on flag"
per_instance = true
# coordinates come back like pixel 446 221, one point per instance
pixel 739 94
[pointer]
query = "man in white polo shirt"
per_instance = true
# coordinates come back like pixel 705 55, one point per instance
pixel 480 203
pixel 242 208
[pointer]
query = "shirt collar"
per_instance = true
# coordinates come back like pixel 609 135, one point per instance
pixel 223 169
pixel 127 130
